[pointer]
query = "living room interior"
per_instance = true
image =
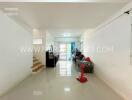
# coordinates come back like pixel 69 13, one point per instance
pixel 66 50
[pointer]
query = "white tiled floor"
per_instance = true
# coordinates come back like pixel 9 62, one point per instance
pixel 60 84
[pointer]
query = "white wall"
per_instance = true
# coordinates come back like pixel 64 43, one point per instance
pixel 49 40
pixel 112 65
pixel 14 64
pixel 39 48
pixel 44 48
pixel 83 42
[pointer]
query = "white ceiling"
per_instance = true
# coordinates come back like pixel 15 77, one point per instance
pixel 64 0
pixel 66 32
pixel 60 18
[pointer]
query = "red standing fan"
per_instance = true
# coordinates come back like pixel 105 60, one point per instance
pixel 82 78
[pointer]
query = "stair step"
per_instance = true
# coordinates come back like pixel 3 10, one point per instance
pixel 36 68
pixel 36 63
pixel 38 71
pixel 35 60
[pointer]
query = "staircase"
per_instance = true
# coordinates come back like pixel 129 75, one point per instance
pixel 37 66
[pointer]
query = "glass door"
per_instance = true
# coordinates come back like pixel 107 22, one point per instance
pixel 65 51
pixel 68 51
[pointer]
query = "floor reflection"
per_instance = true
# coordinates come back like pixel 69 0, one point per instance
pixel 64 68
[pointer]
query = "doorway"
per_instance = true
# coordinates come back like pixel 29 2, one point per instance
pixel 65 51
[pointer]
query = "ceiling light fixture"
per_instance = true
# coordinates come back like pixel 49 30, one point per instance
pixel 66 35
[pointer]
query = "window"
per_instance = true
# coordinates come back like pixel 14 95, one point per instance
pixel 37 41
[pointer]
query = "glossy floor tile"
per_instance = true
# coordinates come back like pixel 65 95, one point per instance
pixel 60 84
